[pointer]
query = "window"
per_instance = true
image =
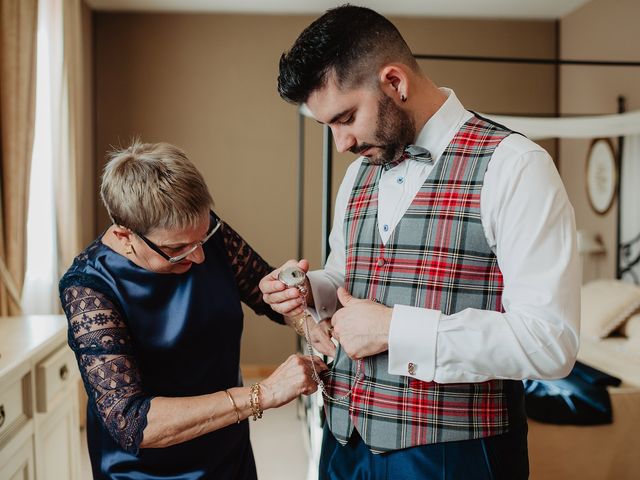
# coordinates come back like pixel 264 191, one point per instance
pixel 41 277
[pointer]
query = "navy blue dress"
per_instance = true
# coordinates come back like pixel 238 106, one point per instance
pixel 139 334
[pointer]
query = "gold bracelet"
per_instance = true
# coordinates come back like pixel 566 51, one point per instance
pixel 254 401
pixel 235 408
pixel 298 325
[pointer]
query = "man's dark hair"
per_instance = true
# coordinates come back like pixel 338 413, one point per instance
pixel 351 42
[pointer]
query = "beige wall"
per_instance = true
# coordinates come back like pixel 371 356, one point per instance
pixel 207 84
pixel 601 30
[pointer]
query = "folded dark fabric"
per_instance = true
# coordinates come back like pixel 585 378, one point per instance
pixel 595 376
pixel 581 398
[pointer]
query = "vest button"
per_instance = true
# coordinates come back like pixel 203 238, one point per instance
pixel 381 262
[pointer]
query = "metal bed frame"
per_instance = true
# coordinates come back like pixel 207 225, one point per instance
pixel 625 260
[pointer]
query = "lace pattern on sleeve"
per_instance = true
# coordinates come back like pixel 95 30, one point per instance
pixel 103 348
pixel 249 268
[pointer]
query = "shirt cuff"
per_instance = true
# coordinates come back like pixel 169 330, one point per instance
pixel 324 294
pixel 412 342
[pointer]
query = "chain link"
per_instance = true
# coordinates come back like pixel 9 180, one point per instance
pixel 315 375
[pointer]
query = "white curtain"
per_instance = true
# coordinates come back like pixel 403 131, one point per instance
pixel 630 207
pixel 39 294
pixel 595 126
pixel 74 184
pixel 62 175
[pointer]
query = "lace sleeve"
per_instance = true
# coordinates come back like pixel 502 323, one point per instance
pixel 249 268
pixel 101 342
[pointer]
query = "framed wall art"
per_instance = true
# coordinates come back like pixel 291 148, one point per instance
pixel 601 175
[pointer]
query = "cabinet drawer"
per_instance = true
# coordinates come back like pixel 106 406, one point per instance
pixel 53 375
pixel 12 407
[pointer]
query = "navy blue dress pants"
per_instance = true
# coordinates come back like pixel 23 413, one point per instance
pixel 501 457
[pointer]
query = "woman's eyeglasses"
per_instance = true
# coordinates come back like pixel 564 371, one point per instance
pixel 214 225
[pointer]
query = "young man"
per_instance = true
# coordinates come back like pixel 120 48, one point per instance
pixel 453 258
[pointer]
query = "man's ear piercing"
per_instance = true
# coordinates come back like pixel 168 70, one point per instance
pixel 403 98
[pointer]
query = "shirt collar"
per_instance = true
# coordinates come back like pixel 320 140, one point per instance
pixel 440 129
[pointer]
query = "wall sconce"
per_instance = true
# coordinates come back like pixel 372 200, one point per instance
pixel 590 243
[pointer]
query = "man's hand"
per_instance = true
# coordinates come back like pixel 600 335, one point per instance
pixel 319 333
pixel 361 326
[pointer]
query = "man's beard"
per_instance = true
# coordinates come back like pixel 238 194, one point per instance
pixel 394 131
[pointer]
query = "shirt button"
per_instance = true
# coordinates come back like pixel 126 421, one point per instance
pixel 381 262
pixel 400 180
pixel 411 368
pixel 385 228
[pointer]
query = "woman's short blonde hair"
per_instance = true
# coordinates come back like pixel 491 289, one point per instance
pixel 149 186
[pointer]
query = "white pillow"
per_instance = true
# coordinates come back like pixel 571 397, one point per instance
pixel 606 304
pixel 631 328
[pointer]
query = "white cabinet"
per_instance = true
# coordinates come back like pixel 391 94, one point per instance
pixel 19 466
pixel 56 437
pixel 57 429
pixel 39 431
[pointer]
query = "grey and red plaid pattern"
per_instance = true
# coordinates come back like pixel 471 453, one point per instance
pixel 437 257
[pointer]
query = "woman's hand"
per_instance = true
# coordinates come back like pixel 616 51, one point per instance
pixel 290 380
pixel 287 301
pixel 319 333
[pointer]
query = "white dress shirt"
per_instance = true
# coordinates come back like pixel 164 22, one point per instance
pixel 528 223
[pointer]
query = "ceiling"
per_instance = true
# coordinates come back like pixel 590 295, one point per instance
pixel 512 9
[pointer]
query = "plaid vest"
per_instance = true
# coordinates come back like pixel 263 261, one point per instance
pixel 437 257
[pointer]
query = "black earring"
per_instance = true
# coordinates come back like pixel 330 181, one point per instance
pixel 403 98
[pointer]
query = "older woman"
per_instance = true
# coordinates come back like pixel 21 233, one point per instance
pixel 155 319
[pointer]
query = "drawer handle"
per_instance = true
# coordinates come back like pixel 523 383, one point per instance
pixel 2 416
pixel 64 372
